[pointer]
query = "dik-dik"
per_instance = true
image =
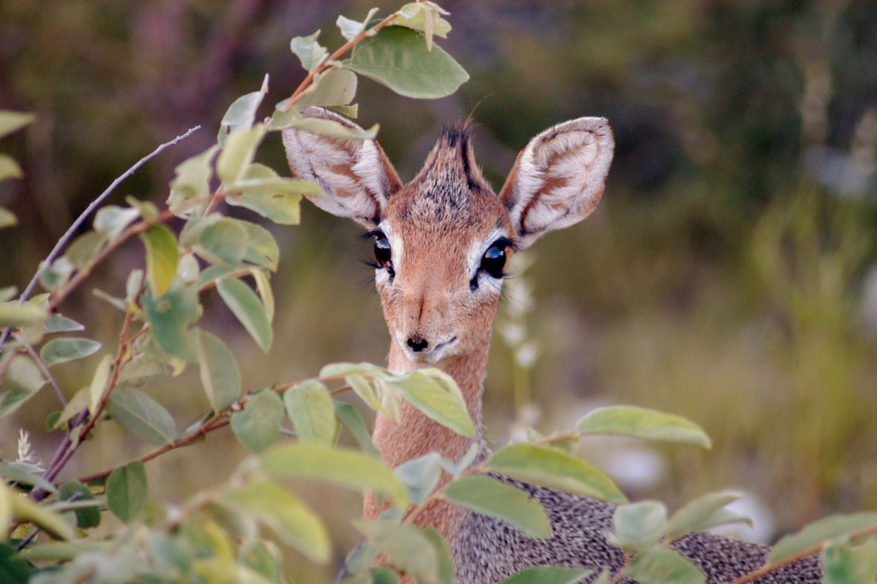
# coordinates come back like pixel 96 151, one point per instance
pixel 441 243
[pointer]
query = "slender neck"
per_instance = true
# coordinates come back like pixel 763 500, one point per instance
pixel 415 434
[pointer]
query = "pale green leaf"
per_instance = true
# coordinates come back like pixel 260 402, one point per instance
pixel 352 420
pixel 500 500
pixel 148 210
pixel 262 248
pixel 61 324
pixel 6 515
pixel 421 475
pixel 424 17
pixel 7 218
pixel 844 564
pixel 366 393
pixel 643 423
pixel 192 183
pixel 76 404
pixel 664 566
pixel 13 121
pixel 237 155
pixel 435 402
pixel 221 241
pixel 405 546
pixel 548 575
pixel 97 390
pixel 13 314
pixel 112 219
pixel 333 87
pixel 140 370
pixel 264 288
pixel 639 525
pixel 309 51
pixel 275 198
pixel 248 309
pixel 7 293
pixel 67 349
pixel 25 510
pixel 284 513
pixel 126 490
pixel 818 532
pixel 350 29
pixel 292 119
pixel 309 406
pixel 258 423
pixel 219 371
pixel 56 275
pixel 703 513
pixel 242 112
pixel 338 465
pixel 170 318
pixel 445 560
pixel 552 468
pixel 9 168
pixel 399 58
pixel 140 414
pixel 16 473
pixel 342 370
pixel 162 256
pixel 23 379
pixel 86 248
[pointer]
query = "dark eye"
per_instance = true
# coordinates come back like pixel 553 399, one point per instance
pixel 494 258
pixel 383 254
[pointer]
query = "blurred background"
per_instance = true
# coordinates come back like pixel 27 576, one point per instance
pixel 728 276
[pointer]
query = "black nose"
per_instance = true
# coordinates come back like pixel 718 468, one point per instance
pixel 417 344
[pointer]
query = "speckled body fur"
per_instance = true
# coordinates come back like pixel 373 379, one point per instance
pixel 439 303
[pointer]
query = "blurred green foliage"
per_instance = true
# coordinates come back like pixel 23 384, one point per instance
pixel 721 279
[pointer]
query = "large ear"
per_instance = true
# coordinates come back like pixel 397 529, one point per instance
pixel 558 178
pixel 356 177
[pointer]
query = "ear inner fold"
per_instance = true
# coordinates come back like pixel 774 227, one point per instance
pixel 356 177
pixel 559 177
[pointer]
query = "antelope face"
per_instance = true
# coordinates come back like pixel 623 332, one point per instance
pixel 442 241
pixel 440 253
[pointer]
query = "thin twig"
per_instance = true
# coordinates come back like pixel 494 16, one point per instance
pixel 71 231
pixel 45 369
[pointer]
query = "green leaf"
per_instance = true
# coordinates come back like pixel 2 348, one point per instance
pixel 437 404
pixel 352 420
pixel 67 349
pixel 219 371
pixel 262 248
pixel 7 217
pixel 6 513
pixel 662 566
pixel 258 423
pixel 73 407
pixel 13 121
pixel 138 413
pixel 56 275
pixel 241 114
pixel 138 372
pixel 86 248
pixel 275 198
pixel 643 423
pixel 245 305
pixel 421 475
pixel 399 58
pixel 309 51
pixel 9 168
pixel 61 324
pixel 87 517
pixel 265 293
pixel 843 564
pixel 13 570
pixel 445 560
pixel 405 546
pixel 639 525
pixel 285 514
pixel 497 499
pixel 703 513
pixel 170 318
pixel 309 406
pixel 112 219
pixel 548 575
pixel 237 155
pixel 338 465
pixel 97 390
pixel 350 29
pixel 222 241
pixel 191 183
pixel 424 16
pixel 367 394
pixel 162 257
pixel 126 490
pixel 23 379
pixel 342 370
pixel 291 118
pixel 552 468
pixel 333 87
pixel 14 473
pixel 13 314
pixel 25 510
pixel 816 533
